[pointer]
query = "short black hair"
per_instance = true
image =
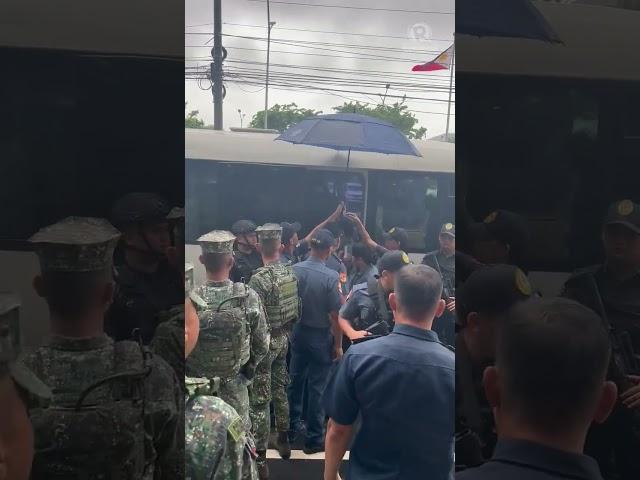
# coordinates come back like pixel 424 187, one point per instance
pixel 70 295
pixel 553 355
pixel 270 246
pixel 418 289
pixel 360 250
pixel 214 262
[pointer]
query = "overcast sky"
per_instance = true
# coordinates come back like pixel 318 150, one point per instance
pixel 424 34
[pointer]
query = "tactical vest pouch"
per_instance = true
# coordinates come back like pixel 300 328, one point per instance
pixel 221 350
pixel 282 303
pixel 103 436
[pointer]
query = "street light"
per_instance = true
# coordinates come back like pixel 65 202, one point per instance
pixel 270 25
pixel 241 116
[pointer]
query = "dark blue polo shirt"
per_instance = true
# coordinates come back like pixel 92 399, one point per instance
pixel 522 460
pixel 318 291
pixel 403 385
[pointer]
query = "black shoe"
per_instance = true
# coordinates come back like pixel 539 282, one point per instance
pixel 263 468
pixel 284 448
pixel 299 433
pixel 311 449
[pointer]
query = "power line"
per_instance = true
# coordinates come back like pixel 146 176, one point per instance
pixel 323 5
pixel 388 76
pixel 330 32
pixel 331 44
pixel 376 59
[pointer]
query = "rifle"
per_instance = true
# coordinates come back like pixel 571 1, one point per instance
pixel 448 290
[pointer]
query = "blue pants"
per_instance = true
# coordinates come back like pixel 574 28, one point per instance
pixel 311 358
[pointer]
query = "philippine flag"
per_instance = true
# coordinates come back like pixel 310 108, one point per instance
pixel 441 62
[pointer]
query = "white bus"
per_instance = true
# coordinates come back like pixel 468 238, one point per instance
pixel 234 175
pixel 552 131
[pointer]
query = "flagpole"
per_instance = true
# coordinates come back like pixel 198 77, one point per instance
pixel 453 57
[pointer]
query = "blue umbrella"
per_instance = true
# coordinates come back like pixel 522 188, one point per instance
pixel 502 18
pixel 350 131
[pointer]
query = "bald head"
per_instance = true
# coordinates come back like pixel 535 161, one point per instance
pixel 417 294
pixel 552 357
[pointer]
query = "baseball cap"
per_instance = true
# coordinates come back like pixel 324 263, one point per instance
pixel 393 261
pixel 243 227
pixel 448 229
pixel 492 289
pixel 624 212
pixel 288 229
pixel 322 239
pixel 398 234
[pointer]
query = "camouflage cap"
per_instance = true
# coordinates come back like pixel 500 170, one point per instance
pixel 188 278
pixel 36 392
pixel 176 213
pixel 624 212
pixel 269 231
pixel 76 244
pixel 217 241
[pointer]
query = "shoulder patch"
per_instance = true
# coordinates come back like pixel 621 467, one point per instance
pixel 236 428
pixel 197 300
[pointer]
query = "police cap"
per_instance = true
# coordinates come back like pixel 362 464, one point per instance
pixel 392 261
pixel 76 244
pixel 492 289
pixel 398 234
pixel 322 239
pixel 448 229
pixel 626 213
pixel 288 229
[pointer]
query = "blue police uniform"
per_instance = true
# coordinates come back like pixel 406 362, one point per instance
pixel 368 308
pixel 312 345
pixel 402 386
pixel 522 460
pixel 357 277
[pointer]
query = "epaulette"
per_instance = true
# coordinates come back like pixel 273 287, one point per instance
pixel 197 299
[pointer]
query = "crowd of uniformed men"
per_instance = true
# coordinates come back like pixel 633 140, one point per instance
pixel 290 339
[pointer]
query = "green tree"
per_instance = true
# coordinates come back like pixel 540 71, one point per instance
pixel 191 120
pixel 397 114
pixel 282 117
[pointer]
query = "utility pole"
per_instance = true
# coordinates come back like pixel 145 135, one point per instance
pixel 241 117
pixel 216 65
pixel 451 66
pixel 270 25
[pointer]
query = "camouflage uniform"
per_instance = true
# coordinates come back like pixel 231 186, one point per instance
pixel 115 409
pixel 208 300
pixel 271 379
pixel 218 446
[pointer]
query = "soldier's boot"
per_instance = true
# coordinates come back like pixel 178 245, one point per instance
pixel 263 468
pixel 284 448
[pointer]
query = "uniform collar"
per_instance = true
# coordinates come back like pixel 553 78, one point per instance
pixel 59 342
pixel 223 283
pixel 416 332
pixel 313 259
pixel 541 457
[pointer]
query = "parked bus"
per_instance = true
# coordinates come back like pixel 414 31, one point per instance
pixel 552 131
pixel 91 103
pixel 234 175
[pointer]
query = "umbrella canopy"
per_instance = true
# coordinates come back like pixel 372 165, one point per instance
pixel 350 131
pixel 502 18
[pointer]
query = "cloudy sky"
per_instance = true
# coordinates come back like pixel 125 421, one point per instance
pixel 322 57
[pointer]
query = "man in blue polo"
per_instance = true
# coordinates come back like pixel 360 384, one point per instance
pixel 402 386
pixel 316 340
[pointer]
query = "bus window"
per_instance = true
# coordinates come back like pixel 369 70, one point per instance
pixel 407 200
pixel 218 194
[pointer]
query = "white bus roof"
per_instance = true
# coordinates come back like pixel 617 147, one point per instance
pixel 245 147
pixel 599 43
pixel 141 27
